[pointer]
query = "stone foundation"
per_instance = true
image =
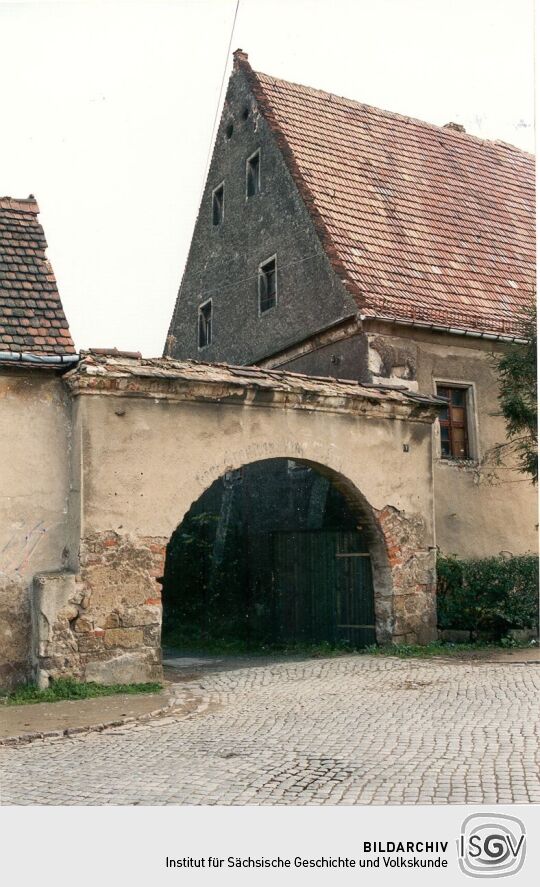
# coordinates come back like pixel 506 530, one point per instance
pixel 413 577
pixel 104 623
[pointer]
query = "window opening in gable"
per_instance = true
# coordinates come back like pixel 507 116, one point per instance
pixel 267 285
pixel 253 174
pixel 218 205
pixel 205 324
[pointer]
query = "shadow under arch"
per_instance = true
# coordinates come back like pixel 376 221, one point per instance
pixel 207 542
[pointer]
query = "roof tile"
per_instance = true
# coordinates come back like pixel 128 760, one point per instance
pixel 421 222
pixel 28 320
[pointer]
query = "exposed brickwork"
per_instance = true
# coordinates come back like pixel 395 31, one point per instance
pixel 190 380
pixel 413 578
pixel 31 313
pixel 266 108
pixel 122 598
pixel 106 625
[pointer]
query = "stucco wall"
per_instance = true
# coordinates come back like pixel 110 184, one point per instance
pixel 480 509
pixel 146 461
pixel 34 458
pixel 143 461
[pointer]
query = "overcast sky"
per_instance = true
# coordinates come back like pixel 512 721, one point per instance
pixel 108 107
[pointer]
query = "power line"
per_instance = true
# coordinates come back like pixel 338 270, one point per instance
pixel 210 146
pixel 218 106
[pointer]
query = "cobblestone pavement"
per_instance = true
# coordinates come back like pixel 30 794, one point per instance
pixel 350 730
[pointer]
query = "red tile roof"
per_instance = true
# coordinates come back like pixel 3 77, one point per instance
pixel 31 315
pixel 421 222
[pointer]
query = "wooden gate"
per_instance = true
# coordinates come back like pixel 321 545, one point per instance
pixel 322 588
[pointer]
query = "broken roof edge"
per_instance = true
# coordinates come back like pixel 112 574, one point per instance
pixel 169 379
pixel 20 204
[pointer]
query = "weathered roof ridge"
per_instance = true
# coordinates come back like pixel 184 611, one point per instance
pixel 20 204
pixel 100 364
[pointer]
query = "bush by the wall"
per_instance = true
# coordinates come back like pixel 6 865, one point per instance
pixel 489 595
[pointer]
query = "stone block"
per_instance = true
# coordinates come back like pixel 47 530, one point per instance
pixel 139 616
pixel 54 594
pixel 152 635
pixel 127 638
pixel 127 668
pixel 83 625
pixel 90 644
pixel 112 621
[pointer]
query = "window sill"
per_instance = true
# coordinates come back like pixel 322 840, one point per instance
pixel 459 463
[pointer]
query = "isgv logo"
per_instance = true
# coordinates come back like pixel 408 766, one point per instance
pixel 491 846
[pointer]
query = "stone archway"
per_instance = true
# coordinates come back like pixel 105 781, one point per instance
pixel 149 437
pixel 279 551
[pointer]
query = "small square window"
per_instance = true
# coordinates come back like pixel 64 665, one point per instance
pixel 453 421
pixel 267 285
pixel 205 324
pixel 253 174
pixel 218 205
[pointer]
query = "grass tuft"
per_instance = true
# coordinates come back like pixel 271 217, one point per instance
pixel 191 645
pixel 439 648
pixel 67 688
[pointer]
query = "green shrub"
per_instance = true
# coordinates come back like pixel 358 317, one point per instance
pixel 489 595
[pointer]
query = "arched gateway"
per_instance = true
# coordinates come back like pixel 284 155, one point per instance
pixel 281 551
pixel 151 436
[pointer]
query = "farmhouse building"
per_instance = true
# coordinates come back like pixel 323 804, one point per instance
pixel 103 455
pixel 323 419
pixel 339 240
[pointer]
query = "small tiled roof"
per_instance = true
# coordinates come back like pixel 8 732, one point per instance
pixel 31 315
pixel 421 222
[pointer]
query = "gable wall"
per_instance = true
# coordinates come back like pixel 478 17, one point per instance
pixel 223 261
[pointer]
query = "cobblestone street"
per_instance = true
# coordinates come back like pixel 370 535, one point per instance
pixel 349 730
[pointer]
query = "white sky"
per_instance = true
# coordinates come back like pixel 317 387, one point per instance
pixel 107 113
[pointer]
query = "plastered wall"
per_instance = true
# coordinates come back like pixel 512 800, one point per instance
pixel 481 509
pixel 35 439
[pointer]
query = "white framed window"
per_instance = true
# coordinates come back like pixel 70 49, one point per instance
pixel 218 205
pixel 204 325
pixel 267 284
pixel 253 174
